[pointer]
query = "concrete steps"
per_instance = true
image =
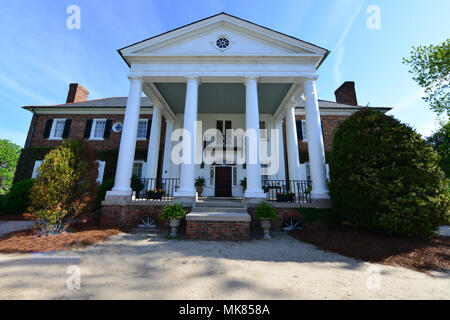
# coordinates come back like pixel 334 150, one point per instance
pixel 219 209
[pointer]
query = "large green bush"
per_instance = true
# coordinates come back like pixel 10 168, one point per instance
pixel 17 199
pixel 66 186
pixel 385 177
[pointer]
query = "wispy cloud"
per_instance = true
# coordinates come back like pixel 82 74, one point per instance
pixel 339 48
pixel 17 88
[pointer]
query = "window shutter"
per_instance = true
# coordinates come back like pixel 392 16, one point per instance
pixel 149 127
pixel 299 130
pixel 66 131
pixel 87 130
pixel 108 127
pixel 48 127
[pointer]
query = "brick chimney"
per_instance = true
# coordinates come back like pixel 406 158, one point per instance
pixel 76 93
pixel 346 94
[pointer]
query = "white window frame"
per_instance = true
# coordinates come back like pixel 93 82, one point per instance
pixel 36 172
pixel 143 167
pixel 304 131
pixel 146 129
pixel 94 123
pixel 101 170
pixel 52 130
pixel 263 131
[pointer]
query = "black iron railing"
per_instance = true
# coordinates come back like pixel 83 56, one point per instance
pixel 295 191
pixel 158 189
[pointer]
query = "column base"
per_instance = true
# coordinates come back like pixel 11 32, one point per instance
pixel 254 197
pixel 185 197
pixel 118 195
pixel 321 199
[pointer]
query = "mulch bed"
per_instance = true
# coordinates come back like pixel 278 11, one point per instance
pixel 13 217
pixel 424 255
pixel 29 241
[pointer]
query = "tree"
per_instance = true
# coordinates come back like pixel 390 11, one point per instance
pixel 385 177
pixel 9 155
pixel 66 186
pixel 431 68
pixel 440 141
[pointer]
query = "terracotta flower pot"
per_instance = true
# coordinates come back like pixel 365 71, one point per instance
pixel 265 225
pixel 174 223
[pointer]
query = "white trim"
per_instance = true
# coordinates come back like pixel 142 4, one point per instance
pixel 101 170
pixel 94 123
pixel 85 110
pixel 52 131
pixel 146 128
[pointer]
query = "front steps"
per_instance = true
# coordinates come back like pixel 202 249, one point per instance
pixel 218 219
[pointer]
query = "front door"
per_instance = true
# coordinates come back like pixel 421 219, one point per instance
pixel 223 182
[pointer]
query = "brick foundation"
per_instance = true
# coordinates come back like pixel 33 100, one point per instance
pixel 218 230
pixel 283 213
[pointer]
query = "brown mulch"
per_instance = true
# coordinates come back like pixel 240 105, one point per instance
pixel 424 255
pixel 14 217
pixel 29 241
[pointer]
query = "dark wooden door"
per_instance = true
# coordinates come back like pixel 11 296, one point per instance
pixel 223 182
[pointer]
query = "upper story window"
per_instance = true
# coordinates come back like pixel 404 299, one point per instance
pixel 98 129
pixel 142 129
pixel 57 128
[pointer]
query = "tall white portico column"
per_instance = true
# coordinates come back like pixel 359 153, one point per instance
pixel 122 189
pixel 187 169
pixel 292 144
pixel 254 189
pixel 315 142
pixel 281 166
pixel 153 144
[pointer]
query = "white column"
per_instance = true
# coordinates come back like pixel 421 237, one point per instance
pixel 187 169
pixel 122 189
pixel 153 144
pixel 281 166
pixel 315 142
pixel 167 163
pixel 292 145
pixel 254 188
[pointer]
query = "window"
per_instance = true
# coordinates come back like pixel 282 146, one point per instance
pixel 222 43
pixel 304 131
pixel 36 171
pixel 224 126
pixel 142 129
pixel 138 168
pixel 98 129
pixel 308 171
pixel 262 130
pixel 101 170
pixel 57 128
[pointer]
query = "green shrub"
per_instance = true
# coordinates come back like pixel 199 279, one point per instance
pixel 385 177
pixel 136 184
pixel 265 210
pixel 104 187
pixel 66 186
pixel 173 211
pixel 17 199
pixel 327 216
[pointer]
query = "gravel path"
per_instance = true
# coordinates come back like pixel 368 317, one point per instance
pixel 136 266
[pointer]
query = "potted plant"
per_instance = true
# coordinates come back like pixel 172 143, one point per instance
pixel 266 213
pixel 199 184
pixel 156 194
pixel 244 184
pixel 174 212
pixel 285 196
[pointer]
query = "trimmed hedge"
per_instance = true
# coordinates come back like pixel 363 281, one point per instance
pixel 385 177
pixel 17 200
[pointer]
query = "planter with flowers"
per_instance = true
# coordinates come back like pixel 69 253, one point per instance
pixel 156 194
pixel 285 197
pixel 174 212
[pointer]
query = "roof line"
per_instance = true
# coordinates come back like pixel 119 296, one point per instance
pixel 215 15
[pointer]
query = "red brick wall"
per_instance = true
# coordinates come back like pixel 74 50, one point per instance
pixel 283 213
pixel 77 129
pixel 218 230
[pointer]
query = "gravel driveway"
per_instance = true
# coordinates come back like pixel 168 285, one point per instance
pixel 137 266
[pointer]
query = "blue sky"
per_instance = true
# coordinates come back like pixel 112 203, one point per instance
pixel 40 56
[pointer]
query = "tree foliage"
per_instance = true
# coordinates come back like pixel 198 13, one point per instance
pixel 66 186
pixel 430 66
pixel 17 200
pixel 9 155
pixel 440 141
pixel 385 177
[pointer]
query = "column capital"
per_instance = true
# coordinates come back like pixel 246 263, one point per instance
pixel 311 77
pixel 135 77
pixel 248 79
pixel 193 78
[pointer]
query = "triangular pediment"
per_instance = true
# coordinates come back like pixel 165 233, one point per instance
pixel 200 38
